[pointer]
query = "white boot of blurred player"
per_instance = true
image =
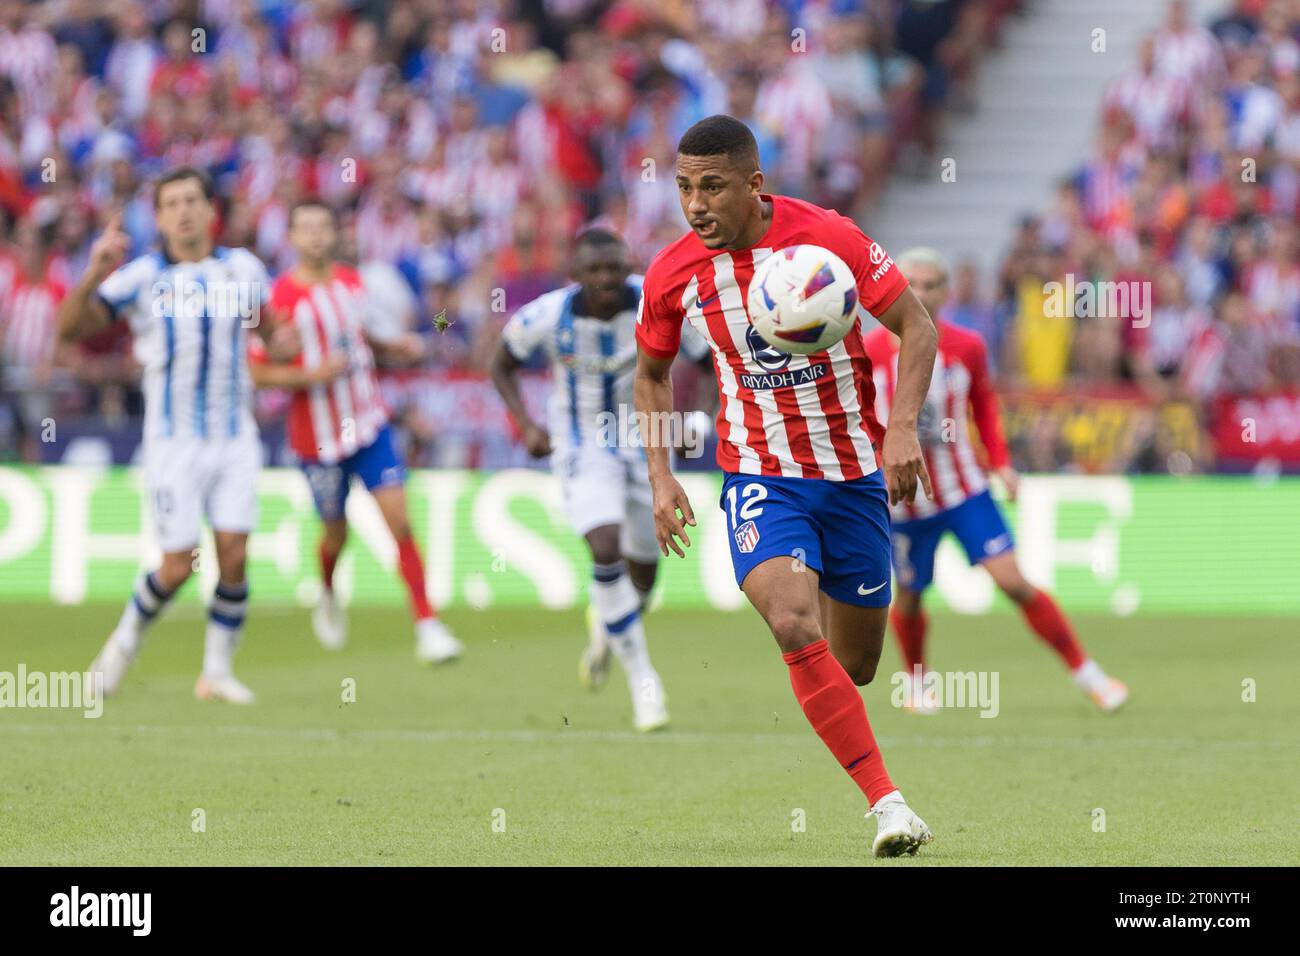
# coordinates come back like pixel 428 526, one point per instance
pixel 619 606
pixel 225 623
pixel 899 829
pixel 1105 691
pixel 649 703
pixel 434 644
pixel 148 598
pixel 917 698
pixel 329 622
pixel 593 666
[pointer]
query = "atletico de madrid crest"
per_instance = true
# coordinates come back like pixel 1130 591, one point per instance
pixel 747 537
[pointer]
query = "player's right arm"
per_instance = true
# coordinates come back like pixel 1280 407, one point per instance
pixel 652 393
pixel 521 338
pixel 275 357
pixel 83 312
pixel 658 337
pixel 267 373
pixel 504 369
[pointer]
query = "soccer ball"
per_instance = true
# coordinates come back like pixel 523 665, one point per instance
pixel 802 299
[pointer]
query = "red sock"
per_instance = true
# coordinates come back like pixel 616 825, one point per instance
pixel 834 708
pixel 327 562
pixel 910 631
pixel 1050 624
pixel 412 568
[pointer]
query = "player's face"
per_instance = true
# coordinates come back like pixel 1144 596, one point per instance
pixel 929 284
pixel 184 215
pixel 313 235
pixel 718 197
pixel 602 270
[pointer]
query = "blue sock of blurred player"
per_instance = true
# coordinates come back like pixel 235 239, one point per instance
pixel 225 622
pixel 619 607
pixel 148 599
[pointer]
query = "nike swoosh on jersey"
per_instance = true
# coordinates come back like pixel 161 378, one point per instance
pixel 862 588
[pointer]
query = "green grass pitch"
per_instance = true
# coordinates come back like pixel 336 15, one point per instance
pixel 503 759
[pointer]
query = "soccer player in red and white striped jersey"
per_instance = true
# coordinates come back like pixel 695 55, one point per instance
pixel 338 424
pixel 29 304
pixel 807 504
pixel 960 388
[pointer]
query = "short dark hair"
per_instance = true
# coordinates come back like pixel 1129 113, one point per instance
pixel 312 202
pixel 718 135
pixel 597 236
pixel 181 173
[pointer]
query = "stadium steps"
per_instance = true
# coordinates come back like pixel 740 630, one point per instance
pixel 1039 99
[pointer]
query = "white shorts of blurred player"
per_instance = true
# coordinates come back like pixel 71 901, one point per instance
pixel 602 486
pixel 188 479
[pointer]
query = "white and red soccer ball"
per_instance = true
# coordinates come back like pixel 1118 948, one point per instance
pixel 802 299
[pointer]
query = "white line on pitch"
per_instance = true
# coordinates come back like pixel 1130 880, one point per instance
pixel 668 737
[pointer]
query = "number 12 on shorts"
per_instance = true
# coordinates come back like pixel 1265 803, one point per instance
pixel 742 524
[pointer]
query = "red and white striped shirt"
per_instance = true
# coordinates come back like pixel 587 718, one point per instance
pixel 328 423
pixel 29 319
pixel 959 387
pixel 809 416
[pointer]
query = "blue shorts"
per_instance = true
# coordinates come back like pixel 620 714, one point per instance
pixel 377 465
pixel 840 529
pixel 976 522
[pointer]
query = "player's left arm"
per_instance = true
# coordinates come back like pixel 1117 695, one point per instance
pixel 901 454
pixel 988 420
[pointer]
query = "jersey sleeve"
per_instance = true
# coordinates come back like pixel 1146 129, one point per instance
pixel 256 274
pixel 527 329
pixel 880 281
pixel 658 320
pixel 121 290
pixel 984 404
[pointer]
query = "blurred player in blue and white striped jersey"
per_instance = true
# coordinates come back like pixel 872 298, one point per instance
pixel 190 305
pixel 586 330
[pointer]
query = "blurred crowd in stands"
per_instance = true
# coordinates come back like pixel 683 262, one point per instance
pixel 465 141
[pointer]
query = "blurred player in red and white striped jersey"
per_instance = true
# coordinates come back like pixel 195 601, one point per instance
pixel 338 424
pixel 961 387
pixel 29 305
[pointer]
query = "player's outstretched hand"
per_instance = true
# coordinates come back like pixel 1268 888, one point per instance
pixel 108 251
pixel 904 466
pixel 673 513
pixel 537 440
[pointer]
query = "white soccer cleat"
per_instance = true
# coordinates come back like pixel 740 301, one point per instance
pixel 900 830
pixel 1109 695
pixel 434 644
pixel 113 663
pixel 649 704
pixel 1106 692
pixel 918 698
pixel 593 666
pixel 225 688
pixel 329 622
